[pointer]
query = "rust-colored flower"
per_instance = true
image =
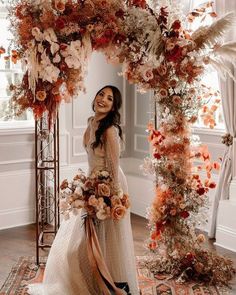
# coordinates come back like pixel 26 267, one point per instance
pixel 103 190
pixel 41 95
pixel 60 5
pixel 125 201
pixel 201 238
pixel 118 212
pixel 64 184
pixel 184 214
pixel 2 50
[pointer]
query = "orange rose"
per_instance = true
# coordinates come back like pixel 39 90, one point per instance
pixel 41 95
pixel 60 5
pixel 118 212
pixel 125 201
pixel 201 238
pixel 103 190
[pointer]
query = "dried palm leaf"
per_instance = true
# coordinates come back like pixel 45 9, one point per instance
pixel 226 53
pixel 222 69
pixel 208 35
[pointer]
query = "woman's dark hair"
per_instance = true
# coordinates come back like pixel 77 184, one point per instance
pixel 111 119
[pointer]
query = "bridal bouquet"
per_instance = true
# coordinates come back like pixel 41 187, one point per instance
pixel 95 194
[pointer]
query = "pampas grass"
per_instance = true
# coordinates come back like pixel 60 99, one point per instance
pixel 208 35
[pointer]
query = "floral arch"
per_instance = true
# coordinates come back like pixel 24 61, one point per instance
pixel 55 40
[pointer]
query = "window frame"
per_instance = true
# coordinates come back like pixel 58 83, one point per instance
pixel 14 126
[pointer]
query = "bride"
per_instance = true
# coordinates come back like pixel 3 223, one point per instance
pixel 68 270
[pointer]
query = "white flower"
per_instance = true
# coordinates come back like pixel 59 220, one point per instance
pixel 103 213
pixel 38 35
pixel 40 48
pixel 49 35
pixel 72 62
pixel 47 71
pixel 78 191
pixel 57 58
pixel 54 47
pixel 105 173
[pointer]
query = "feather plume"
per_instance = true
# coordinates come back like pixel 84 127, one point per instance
pixel 222 69
pixel 208 35
pixel 226 53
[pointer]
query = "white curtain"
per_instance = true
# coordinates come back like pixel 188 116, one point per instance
pixel 228 93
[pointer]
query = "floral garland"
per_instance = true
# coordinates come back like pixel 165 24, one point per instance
pixel 55 40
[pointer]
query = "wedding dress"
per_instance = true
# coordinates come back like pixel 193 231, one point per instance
pixel 68 271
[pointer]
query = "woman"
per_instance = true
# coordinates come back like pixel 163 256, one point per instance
pixel 68 270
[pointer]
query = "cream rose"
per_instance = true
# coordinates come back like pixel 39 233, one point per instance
pixel 93 201
pixel 115 200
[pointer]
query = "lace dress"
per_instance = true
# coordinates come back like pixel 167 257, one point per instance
pixel 68 271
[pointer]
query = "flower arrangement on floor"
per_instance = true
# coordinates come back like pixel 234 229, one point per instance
pixel 55 40
pixel 95 194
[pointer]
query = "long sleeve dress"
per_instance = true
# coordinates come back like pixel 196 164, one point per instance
pixel 68 271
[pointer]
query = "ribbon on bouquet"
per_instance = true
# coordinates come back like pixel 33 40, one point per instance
pixel 97 261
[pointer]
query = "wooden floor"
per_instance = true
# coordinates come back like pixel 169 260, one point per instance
pixel 19 241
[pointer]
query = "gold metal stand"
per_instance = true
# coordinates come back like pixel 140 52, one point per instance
pixel 47 183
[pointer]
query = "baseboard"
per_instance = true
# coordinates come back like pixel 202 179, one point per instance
pixel 226 238
pixel 226 229
pixel 16 217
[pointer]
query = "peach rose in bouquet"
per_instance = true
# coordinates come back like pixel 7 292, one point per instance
pixel 118 212
pixel 103 190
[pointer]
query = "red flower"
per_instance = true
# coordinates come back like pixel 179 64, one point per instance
pixel 157 156
pixel 138 3
pixel 190 256
pixel 201 191
pixel 212 185
pixel 175 54
pixel 108 33
pixel 120 13
pixel 60 23
pixel 101 41
pixel 184 214
pixel 176 25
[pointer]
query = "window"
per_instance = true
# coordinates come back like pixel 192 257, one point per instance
pixel 10 73
pixel 210 78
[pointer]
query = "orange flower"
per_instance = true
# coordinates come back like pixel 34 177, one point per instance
pixel 41 95
pixel 103 190
pixel 118 212
pixel 152 245
pixel 64 184
pixel 125 201
pixel 2 50
pixel 59 5
pixel 216 166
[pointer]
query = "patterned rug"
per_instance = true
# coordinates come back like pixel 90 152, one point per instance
pixel 25 272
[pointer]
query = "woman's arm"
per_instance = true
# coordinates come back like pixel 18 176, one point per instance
pixel 112 148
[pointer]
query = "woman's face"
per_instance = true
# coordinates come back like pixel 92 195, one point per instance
pixel 103 101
